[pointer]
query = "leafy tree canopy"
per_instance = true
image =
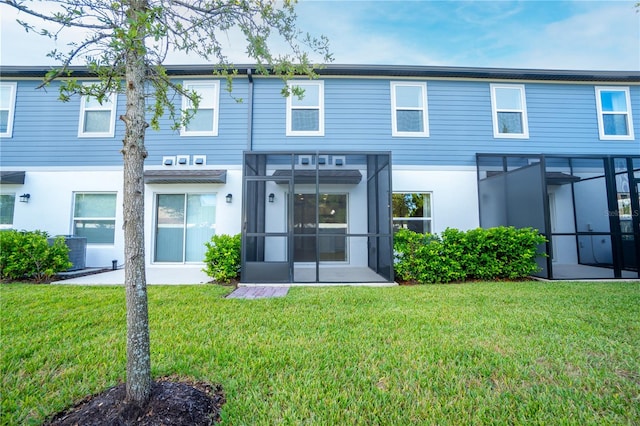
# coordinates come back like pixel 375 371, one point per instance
pixel 158 27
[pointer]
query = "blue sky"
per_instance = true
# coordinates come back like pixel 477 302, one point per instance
pixel 594 34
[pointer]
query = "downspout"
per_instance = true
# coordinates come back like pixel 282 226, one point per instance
pixel 243 230
pixel 250 112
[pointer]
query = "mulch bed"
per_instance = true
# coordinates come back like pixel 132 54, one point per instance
pixel 172 403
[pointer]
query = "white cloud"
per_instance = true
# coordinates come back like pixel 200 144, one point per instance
pixel 18 47
pixel 354 37
pixel 599 35
pixel 604 38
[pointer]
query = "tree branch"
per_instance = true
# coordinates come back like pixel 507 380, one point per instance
pixel 55 18
pixel 69 58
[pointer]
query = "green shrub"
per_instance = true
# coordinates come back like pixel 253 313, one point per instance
pixel 484 254
pixel 503 252
pixel 28 255
pixel 222 258
pixel 423 258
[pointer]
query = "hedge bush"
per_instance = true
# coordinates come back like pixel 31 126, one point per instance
pixel 28 255
pixel 222 258
pixel 483 254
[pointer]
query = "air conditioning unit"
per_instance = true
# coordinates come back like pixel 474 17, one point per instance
pixel 77 251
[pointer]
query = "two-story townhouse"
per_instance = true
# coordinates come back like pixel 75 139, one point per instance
pixel 316 185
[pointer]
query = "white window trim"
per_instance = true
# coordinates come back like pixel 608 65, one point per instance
pixel 603 136
pixel 113 97
pixel 423 219
pixel 186 104
pixel 13 87
pixel 523 111
pixel 424 109
pixel 303 84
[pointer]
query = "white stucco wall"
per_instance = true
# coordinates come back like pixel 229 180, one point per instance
pixel 50 208
pixel 454 194
pixel 227 214
pixel 562 221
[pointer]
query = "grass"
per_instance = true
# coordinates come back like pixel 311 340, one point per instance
pixel 481 353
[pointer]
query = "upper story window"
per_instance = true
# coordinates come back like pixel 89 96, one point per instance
pixel 614 113
pixel 97 119
pixel 205 120
pixel 7 206
pixel 7 106
pixel 409 109
pixel 94 217
pixel 509 108
pixel 305 114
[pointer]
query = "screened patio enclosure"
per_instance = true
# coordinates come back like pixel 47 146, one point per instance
pixel 311 217
pixel 588 207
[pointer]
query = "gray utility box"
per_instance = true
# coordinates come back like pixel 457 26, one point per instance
pixel 77 251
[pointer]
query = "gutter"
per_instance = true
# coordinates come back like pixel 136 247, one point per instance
pixel 419 71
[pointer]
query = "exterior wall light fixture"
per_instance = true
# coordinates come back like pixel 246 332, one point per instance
pixel 272 197
pixel 24 198
pixel 229 198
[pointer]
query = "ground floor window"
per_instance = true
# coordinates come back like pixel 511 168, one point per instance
pixel 412 211
pixel 184 223
pixel 332 227
pixel 94 217
pixel 7 206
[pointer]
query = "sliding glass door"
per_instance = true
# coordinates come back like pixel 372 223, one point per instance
pixel 184 223
pixel 331 222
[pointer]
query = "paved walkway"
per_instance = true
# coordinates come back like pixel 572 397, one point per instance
pixel 258 292
pixel 184 274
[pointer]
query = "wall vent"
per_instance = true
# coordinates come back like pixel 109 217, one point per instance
pixel 168 160
pixel 304 160
pixel 182 160
pixel 200 160
pixel 339 160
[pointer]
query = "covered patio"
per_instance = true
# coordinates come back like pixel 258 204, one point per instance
pixel 317 217
pixel 587 207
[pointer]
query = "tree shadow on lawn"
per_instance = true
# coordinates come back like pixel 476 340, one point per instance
pixel 172 403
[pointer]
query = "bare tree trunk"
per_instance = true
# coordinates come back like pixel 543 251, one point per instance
pixel 134 152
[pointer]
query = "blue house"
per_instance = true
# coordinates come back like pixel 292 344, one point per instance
pixel 317 185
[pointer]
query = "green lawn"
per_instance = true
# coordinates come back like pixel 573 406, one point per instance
pixel 498 353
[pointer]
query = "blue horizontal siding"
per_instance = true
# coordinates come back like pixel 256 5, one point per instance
pixel 562 120
pixel 226 148
pixel 45 132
